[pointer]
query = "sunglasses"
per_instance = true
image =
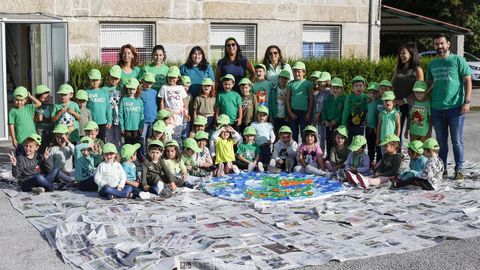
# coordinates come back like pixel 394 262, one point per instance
pixel 231 45
pixel 273 53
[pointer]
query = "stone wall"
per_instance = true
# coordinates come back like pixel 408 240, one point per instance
pixel 182 24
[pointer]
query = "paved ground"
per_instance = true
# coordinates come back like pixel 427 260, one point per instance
pixel 22 246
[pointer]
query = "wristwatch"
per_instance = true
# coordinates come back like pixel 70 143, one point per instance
pixel 467 101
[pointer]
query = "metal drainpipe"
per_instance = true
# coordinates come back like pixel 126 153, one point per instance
pixel 371 23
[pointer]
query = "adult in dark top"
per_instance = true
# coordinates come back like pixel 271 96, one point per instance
pixel 408 71
pixel 233 62
pixel 197 68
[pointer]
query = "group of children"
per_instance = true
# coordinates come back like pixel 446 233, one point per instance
pixel 173 139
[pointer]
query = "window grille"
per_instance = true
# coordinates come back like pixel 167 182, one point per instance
pixel 245 34
pixel 321 41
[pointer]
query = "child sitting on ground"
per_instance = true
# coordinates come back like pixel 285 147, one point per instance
pixel 225 139
pixel 129 155
pixel 310 155
pixel 84 164
pixel 339 152
pixel 284 156
pixel 195 174
pixel 417 160
pixel 62 152
pixel 357 161
pixel 91 130
pixel 248 152
pixel 155 176
pixel 203 158
pixel 174 164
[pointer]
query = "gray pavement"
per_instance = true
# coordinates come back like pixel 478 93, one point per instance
pixel 24 248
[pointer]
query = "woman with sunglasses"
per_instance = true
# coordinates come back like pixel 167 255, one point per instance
pixel 233 62
pixel 274 62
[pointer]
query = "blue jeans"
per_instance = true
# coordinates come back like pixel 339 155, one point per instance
pixel 185 130
pixel 45 181
pixel 443 120
pixel 298 125
pixel 108 191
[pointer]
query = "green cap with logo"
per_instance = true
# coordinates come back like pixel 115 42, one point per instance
pixel 94 74
pixel 337 82
pixel 149 77
pixel 109 148
pixel 60 129
pixel 159 126
pixel 358 78
pixel 388 95
pixel 310 128
pixel 35 137
pixel 285 74
pixel 115 71
pixel 200 120
pixel 81 95
pixel 249 131
pixel 162 114
pixel 262 109
pixel 173 72
pixel 342 130
pixel 190 143
pixel 20 92
pixel 431 143
pixel 201 135
pixel 244 81
pixel 386 83
pixel 41 89
pixel 373 86
pixel 420 86
pixel 299 65
pixel 132 83
pixel 261 66
pixel 207 81
pixel 155 142
pixel 65 89
pixel 324 76
pixel 171 143
pixel 228 77
pixel 357 142
pixel 316 74
pixel 416 146
pixel 128 150
pixel 91 125
pixel 390 138
pixel 285 129
pixel 223 119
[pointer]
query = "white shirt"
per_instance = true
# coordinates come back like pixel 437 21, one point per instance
pixel 110 174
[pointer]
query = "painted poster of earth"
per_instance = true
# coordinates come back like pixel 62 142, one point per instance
pixel 255 187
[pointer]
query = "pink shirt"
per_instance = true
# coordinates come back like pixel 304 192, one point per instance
pixel 311 153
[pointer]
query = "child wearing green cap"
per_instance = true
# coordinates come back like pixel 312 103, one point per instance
pixel 355 108
pixel 99 104
pixel 284 155
pixel 67 112
pixel 417 160
pixel 91 130
pixel 150 108
pixel 432 173
pixel 20 118
pixel 319 96
pixel 129 156
pixel 186 126
pixel 262 88
pixel 81 97
pixel 131 114
pixel 388 118
pixel 203 159
pixel 265 135
pixel 310 155
pixel 339 152
pixel 229 102
pixel 174 164
pixel 114 91
pixel 85 152
pixel 357 161
pixel 196 174
pixel 35 172
pixel 63 150
pixel 247 154
pixel 199 124
pixel 278 96
pixel 374 106
pixel 419 123
pixel 224 139
pixel 43 118
pixel 249 103
pixel 155 176
pixel 331 115
pixel 204 103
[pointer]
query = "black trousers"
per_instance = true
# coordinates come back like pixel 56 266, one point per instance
pixel 415 181
pixel 132 136
pixel 372 147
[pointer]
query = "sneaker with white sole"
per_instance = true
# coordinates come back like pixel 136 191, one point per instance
pixel 144 195
pixel 362 180
pixel 38 190
pixel 341 175
pixel 351 178
pixel 235 169
pixel 260 166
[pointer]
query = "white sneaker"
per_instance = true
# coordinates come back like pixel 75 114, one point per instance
pixel 260 167
pixel 235 169
pixel 251 166
pixel 160 187
pixel 38 190
pixel 313 170
pixel 144 195
pixel 363 181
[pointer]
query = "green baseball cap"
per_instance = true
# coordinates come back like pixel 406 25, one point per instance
pixel 173 72
pixel 162 114
pixel 37 138
pixel 86 139
pixel 132 83
pixel 81 95
pixel 337 82
pixel 149 77
pixel 285 74
pixel 201 135
pixel 128 150
pixel 200 120
pixel 159 126
pixel 420 86
pixel 310 128
pixel 342 130
pixel 316 74
pixel 186 80
pixel 385 83
pixel 171 143
pixel 207 81
pixel 249 131
pixel 223 119
pixel 262 109
pixel 285 129
pixel 244 81
pixel 431 143
pixel 60 129
pixel 357 142
pixel 324 76
pixel 65 89
pixel 41 89
pixel 299 65
pixel 388 95
pixel 94 74
pixel 373 86
pixel 390 138
pixel 155 142
pixel 91 125
pixel 261 66
pixel 190 143
pixel 20 92
pixel 358 78
pixel 115 71
pixel 416 146
pixel 109 148
pixel 228 77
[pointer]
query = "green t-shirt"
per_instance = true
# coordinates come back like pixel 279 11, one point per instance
pixel 419 118
pixel 372 114
pixel 99 105
pixel 229 102
pixel 355 109
pixel 447 76
pixel 130 113
pixel 299 94
pixel 262 90
pixel 135 73
pixel 160 74
pixel 248 151
pixel 22 120
pixel 189 161
pixel 333 108
pixel 67 119
pixel 389 123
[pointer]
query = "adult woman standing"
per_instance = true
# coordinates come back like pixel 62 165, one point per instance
pixel 274 62
pixel 157 67
pixel 408 71
pixel 233 62
pixel 197 68
pixel 128 61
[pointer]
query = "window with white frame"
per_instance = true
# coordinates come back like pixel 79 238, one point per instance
pixel 114 35
pixel 321 41
pixel 245 34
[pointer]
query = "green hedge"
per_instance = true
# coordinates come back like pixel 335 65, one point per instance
pixel 345 69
